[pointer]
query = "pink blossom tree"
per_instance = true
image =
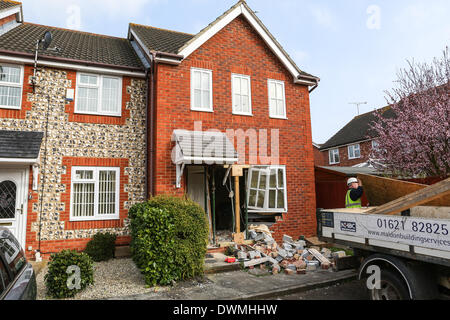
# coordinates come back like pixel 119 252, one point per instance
pixel 416 141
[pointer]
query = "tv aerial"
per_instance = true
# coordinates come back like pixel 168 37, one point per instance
pixel 357 104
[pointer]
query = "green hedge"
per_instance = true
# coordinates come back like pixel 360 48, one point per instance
pixel 59 272
pixel 169 239
pixel 102 247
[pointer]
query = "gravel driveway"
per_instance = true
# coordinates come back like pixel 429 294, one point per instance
pixel 113 278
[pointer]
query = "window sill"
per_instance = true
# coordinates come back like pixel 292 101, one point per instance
pixel 94 219
pixel 202 110
pixel 242 114
pixel 278 118
pixel 97 114
pixel 10 108
pixel 354 158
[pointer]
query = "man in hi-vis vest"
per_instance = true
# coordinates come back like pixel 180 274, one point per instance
pixel 354 193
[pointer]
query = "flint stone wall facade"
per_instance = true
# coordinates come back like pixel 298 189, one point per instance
pixel 78 140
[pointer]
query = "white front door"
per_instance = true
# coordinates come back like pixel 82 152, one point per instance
pixel 13 201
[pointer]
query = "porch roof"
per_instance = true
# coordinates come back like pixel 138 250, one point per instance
pixel 20 144
pixel 203 147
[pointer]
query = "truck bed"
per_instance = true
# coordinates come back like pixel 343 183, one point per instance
pixel 424 235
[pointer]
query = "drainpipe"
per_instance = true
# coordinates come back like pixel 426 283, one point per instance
pixel 151 146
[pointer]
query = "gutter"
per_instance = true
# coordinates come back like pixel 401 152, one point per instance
pixel 68 60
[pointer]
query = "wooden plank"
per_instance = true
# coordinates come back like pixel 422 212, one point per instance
pixel 255 262
pixel 420 197
pixel 237 204
pixel 319 256
pixel 380 191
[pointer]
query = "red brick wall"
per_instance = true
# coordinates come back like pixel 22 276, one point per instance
pixel 320 158
pixel 238 49
pixel 365 147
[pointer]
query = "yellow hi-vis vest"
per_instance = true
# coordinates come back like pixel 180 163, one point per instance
pixel 349 203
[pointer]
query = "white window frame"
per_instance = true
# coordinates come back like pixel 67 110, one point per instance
pixel 354 147
pixel 267 196
pixel 331 154
pixel 240 77
pixel 14 85
pixel 271 115
pixel 99 86
pixel 95 180
pixel 210 73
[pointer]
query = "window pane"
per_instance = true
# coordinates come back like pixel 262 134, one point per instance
pixel 10 96
pixel 262 180
pixel 272 91
pixel 279 93
pixel 110 95
pixel 252 198
pixel 280 200
pixel 107 192
pixel 10 74
pixel 84 174
pixel 254 182
pixel 245 104
pixel 280 178
pixel 261 198
pixel 273 106
pixel 236 85
pixel 197 80
pixel 273 179
pixel 88 79
pixel 272 196
pixel 197 98
pixel 280 108
pixel 244 87
pixel 87 99
pixel 237 103
pixel 205 100
pixel 205 81
pixel 83 199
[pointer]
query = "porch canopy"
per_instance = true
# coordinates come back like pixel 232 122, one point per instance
pixel 20 147
pixel 201 147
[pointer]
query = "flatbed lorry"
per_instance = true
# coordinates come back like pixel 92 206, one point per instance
pixel 410 252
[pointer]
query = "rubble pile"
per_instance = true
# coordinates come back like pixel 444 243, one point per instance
pixel 293 256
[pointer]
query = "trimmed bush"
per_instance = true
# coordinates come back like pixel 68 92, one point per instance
pixel 169 239
pixel 101 247
pixel 64 265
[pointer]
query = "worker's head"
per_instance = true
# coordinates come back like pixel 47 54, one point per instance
pixel 352 183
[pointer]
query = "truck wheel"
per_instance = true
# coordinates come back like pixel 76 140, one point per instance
pixel 390 288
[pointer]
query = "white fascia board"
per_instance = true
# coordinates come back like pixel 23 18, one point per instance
pixel 208 34
pixel 10 12
pixel 18 161
pixel 346 145
pixel 73 66
pixel 241 9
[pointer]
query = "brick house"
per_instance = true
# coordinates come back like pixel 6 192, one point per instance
pixel 72 134
pixel 99 123
pixel 235 78
pixel 353 144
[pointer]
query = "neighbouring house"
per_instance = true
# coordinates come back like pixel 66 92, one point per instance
pixel 353 144
pixel 215 98
pixel 72 134
pixel 320 158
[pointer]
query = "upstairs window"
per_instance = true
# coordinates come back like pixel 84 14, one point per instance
pixel 242 99
pixel 99 95
pixel 277 99
pixel 266 189
pixel 333 155
pixel 11 79
pixel 201 90
pixel 354 151
pixel 95 193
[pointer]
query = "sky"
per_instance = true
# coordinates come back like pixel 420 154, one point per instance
pixel 356 47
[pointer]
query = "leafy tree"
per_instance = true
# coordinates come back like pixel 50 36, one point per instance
pixel 416 142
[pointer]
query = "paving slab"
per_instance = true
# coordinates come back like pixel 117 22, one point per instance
pixel 240 285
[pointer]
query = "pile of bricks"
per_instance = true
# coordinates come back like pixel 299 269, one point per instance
pixel 293 256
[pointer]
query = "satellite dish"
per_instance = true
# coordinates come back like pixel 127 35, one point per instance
pixel 47 39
